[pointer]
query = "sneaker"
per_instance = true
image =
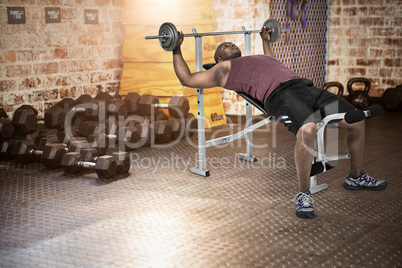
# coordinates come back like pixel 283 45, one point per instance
pixel 364 182
pixel 304 205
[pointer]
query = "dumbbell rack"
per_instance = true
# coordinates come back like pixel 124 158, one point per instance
pixel 247 132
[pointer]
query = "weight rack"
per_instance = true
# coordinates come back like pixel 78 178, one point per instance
pixel 247 132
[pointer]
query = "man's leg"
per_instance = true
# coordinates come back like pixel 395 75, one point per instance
pixel 355 135
pixel 357 178
pixel 304 156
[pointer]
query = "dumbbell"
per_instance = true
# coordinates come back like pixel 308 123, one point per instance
pixel 6 129
pixel 26 152
pixel 183 127
pixel 178 105
pixel 151 131
pixel 25 120
pixel 123 135
pixel 83 109
pixel 53 153
pixel 3 113
pixel 131 100
pixel 105 166
pixel 158 132
pixel 6 149
pixel 122 159
pixel 40 138
pixel 50 151
pixel 114 106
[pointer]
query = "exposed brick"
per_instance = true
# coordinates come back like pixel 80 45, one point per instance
pixel 375 52
pixel 382 11
pixel 42 54
pixel 18 98
pixel 72 92
pixel 362 11
pixel 100 77
pixel 367 62
pixel 369 21
pixel 389 82
pixel 383 31
pixel 68 13
pixel 18 70
pixel 118 3
pixel 386 72
pixel 392 62
pixel 349 2
pixel 102 2
pixel 112 87
pixel 81 52
pixel 356 71
pixel 393 21
pixel 368 42
pixel 103 51
pixel 56 81
pixel 334 21
pixel 46 68
pixel 33 82
pixel 357 52
pixel 356 31
pixel 334 11
pixel 389 52
pixel 60 53
pixel 89 38
pixel 112 64
pixel 24 55
pixel 393 41
pixel 8 85
pixel 23 2
pixel 93 89
pixel 370 2
pixel 333 62
pixel 45 95
pixel 10 56
pixel 373 72
pixel 349 11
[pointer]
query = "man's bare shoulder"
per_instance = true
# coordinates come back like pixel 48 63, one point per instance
pixel 222 70
pixel 223 64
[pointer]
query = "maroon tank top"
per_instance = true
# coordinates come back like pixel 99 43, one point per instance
pixel 257 76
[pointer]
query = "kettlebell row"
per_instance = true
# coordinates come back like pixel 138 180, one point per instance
pixel 358 98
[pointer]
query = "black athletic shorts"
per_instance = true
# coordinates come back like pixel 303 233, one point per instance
pixel 303 103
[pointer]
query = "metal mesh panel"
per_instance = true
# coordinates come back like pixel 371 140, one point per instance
pixel 305 52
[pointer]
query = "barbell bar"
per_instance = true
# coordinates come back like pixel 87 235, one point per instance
pixel 169 36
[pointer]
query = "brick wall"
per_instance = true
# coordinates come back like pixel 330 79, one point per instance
pixel 44 63
pixel 365 39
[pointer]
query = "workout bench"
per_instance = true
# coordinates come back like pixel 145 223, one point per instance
pixel 321 162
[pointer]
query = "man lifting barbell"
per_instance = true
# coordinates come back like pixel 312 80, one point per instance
pixel 283 92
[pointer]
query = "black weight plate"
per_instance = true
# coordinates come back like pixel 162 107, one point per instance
pixel 275 29
pixel 171 40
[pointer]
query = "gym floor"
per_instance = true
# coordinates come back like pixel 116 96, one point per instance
pixel 243 215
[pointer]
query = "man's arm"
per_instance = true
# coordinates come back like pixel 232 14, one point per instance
pixel 265 42
pixel 214 77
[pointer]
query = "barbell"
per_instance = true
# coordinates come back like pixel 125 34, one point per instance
pixel 169 36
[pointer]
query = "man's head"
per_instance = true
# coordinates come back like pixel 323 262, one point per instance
pixel 226 51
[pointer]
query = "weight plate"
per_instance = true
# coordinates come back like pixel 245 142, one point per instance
pixel 171 36
pixel 275 29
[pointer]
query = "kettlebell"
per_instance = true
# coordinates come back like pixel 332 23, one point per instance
pixel 338 85
pixel 359 98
